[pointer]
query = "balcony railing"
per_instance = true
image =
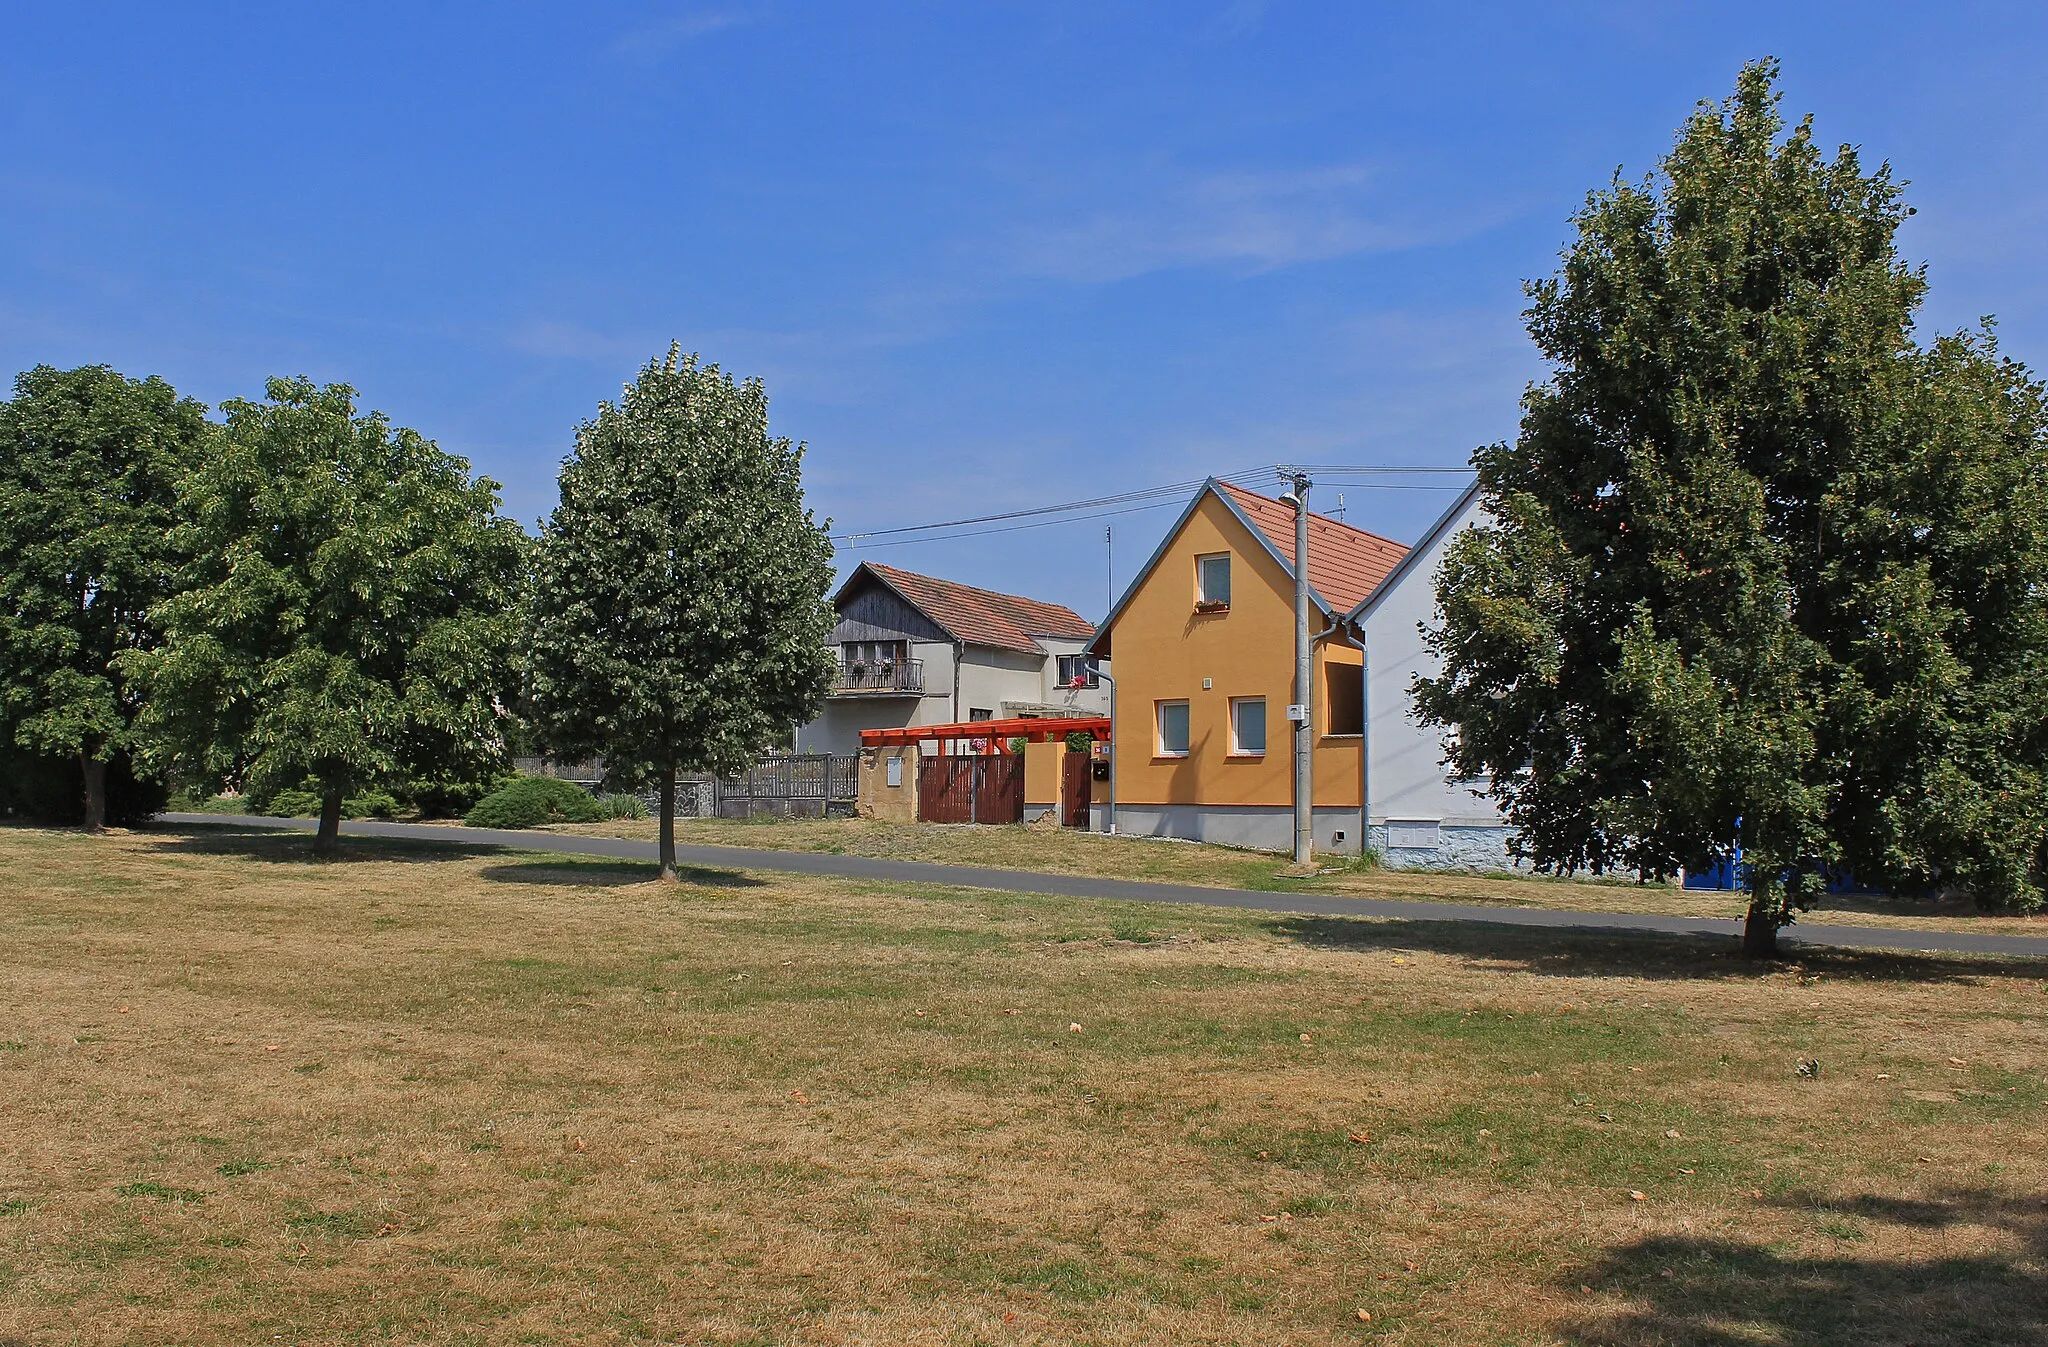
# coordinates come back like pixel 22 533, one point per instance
pixel 883 678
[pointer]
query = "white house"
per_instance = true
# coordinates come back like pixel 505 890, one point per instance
pixel 1415 813
pixel 917 650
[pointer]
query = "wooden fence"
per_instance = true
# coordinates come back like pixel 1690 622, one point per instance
pixel 776 785
pixel 795 785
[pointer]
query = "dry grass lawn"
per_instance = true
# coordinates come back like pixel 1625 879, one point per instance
pixel 432 1095
pixel 1066 851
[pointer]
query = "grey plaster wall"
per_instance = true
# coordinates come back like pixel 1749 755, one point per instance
pixel 1463 847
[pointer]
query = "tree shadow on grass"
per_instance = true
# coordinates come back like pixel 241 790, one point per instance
pixel 1586 952
pixel 286 847
pixel 279 847
pixel 1699 1292
pixel 612 874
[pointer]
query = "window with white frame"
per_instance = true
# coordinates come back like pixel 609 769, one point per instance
pixel 1173 729
pixel 1248 727
pixel 1078 671
pixel 1212 580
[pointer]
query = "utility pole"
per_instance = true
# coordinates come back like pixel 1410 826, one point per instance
pixel 1109 568
pixel 1300 714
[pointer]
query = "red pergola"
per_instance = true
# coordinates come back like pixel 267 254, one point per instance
pixel 994 733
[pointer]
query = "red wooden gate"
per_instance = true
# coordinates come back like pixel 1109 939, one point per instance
pixel 971 788
pixel 1077 788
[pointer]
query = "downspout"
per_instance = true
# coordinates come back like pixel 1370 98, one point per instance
pixel 958 648
pixel 1109 819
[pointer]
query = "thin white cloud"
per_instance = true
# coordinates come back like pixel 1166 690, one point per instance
pixel 653 40
pixel 1249 221
pixel 572 341
pixel 1239 18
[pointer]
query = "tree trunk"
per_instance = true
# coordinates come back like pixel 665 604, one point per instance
pixel 1760 930
pixel 95 792
pixel 668 826
pixel 327 842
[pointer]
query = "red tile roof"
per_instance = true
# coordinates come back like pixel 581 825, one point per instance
pixel 982 616
pixel 1344 564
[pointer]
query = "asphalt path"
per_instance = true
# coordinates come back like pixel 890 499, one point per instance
pixel 1143 891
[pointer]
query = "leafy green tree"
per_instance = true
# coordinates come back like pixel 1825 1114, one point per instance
pixel 677 617
pixel 1759 566
pixel 349 614
pixel 89 466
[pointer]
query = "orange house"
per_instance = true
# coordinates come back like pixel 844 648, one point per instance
pixel 1203 643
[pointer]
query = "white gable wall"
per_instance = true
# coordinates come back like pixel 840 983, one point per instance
pixel 1406 775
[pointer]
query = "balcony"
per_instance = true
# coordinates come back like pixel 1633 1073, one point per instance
pixel 885 678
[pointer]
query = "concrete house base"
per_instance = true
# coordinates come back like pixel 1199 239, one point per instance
pixel 1475 845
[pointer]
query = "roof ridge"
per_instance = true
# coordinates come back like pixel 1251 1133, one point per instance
pixel 1334 523
pixel 979 589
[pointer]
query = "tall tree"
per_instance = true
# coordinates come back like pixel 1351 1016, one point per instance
pixel 89 466
pixel 1728 592
pixel 349 613
pixel 677 616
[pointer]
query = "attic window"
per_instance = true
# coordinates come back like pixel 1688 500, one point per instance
pixel 1212 581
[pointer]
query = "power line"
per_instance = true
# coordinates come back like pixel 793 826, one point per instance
pixel 1015 528
pixel 1375 468
pixel 1171 488
pixel 1146 493
pixel 1128 501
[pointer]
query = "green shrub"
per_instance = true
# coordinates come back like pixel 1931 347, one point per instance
pixel 622 806
pixel 370 804
pixel 451 798
pixel 293 804
pixel 533 801
pixel 184 801
pixel 303 801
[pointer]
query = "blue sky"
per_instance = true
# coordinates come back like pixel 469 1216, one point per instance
pixel 985 256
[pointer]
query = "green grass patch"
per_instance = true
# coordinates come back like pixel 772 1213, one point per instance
pixel 162 1192
pixel 332 1224
pixel 235 1169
